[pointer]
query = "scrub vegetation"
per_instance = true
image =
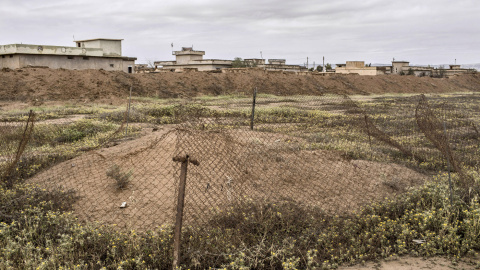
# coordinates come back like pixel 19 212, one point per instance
pixel 39 230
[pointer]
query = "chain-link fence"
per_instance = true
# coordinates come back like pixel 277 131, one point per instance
pixel 332 153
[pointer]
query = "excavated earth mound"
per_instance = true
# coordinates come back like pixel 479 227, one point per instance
pixel 44 84
pixel 233 166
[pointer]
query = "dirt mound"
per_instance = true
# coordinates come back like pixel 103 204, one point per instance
pixel 43 84
pixel 234 165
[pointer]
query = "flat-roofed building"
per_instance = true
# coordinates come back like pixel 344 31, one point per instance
pixel 359 67
pixel 87 54
pixel 189 59
pixel 280 64
pixel 404 68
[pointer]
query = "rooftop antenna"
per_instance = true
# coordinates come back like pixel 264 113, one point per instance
pixel 172 47
pixel 455 61
pixel 261 55
pixel 73 37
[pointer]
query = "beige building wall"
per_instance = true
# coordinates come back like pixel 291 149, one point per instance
pixel 188 59
pixel 88 54
pixel 185 59
pixel 399 66
pixel 355 64
pixel 9 61
pixel 365 71
pixel 110 47
pixel 199 67
pixel 47 49
pixel 67 62
pixel 358 67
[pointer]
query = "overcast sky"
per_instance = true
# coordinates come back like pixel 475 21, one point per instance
pixel 421 31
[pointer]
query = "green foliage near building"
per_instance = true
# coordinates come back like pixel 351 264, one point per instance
pixel 238 63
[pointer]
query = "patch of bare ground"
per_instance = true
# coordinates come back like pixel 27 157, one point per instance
pixel 234 165
pixel 413 263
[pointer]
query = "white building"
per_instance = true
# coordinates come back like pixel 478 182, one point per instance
pixel 87 54
pixel 189 59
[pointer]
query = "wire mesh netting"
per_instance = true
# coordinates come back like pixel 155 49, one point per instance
pixel 332 153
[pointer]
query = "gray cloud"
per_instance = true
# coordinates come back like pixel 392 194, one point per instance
pixel 427 32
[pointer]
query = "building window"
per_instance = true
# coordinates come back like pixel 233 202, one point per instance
pixel 78 44
pixel 11 55
pixel 40 48
pixel 69 57
pixel 85 58
pixel 3 56
pixel 111 65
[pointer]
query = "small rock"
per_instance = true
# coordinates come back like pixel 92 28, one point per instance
pixel 417 241
pixel 124 204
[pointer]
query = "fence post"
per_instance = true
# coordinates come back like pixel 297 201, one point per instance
pixel 21 147
pixel 180 204
pixel 128 110
pixel 253 108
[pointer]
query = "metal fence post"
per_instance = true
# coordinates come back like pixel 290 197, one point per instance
pixel 253 108
pixel 180 204
pixel 128 110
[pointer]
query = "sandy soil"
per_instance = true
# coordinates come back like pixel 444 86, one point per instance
pixel 413 263
pixel 234 165
pixel 37 85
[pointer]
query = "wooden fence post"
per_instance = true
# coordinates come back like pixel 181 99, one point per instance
pixel 180 204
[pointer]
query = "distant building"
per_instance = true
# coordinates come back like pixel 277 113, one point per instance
pixel 143 68
pixel 188 59
pixel 404 68
pixel 88 54
pixel 273 64
pixel 254 62
pixel 359 67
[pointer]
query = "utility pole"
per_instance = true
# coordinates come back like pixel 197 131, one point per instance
pixel 307 62
pixel 323 67
pixel 314 65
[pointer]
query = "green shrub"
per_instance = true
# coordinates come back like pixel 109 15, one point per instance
pixel 122 178
pixel 83 128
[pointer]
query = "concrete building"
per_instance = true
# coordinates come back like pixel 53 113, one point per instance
pixel 273 65
pixel 87 54
pixel 189 59
pixel 358 67
pixel 399 66
pixel 254 62
pixel 280 64
pixel 404 68
pixel 144 68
